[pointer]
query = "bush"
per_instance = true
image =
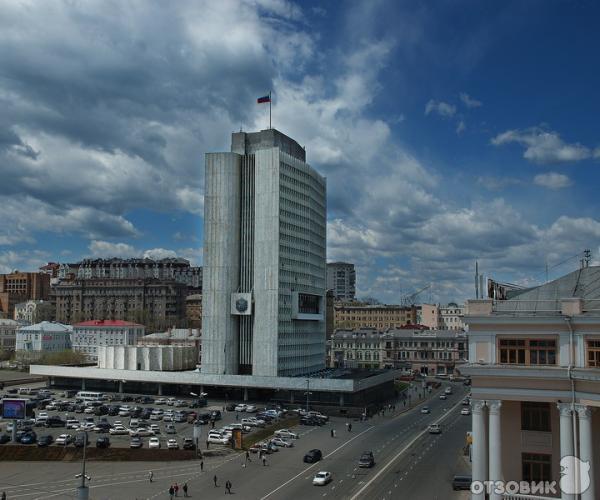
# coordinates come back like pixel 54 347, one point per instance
pixel 62 358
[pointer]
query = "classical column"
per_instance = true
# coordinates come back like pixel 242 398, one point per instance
pixel 479 445
pixel 495 446
pixel 245 394
pixel 120 387
pixel 566 436
pixel 586 448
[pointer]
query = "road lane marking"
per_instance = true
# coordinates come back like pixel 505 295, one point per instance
pixel 401 452
pixel 312 465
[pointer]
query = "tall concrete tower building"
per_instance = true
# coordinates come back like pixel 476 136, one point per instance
pixel 264 259
pixel 341 278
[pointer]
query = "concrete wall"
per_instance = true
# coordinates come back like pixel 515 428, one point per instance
pixel 266 263
pixel 147 358
pixel 221 263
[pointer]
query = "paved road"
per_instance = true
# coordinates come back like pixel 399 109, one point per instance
pixel 285 475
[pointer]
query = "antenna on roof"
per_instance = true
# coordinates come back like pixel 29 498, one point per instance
pixel 476 279
pixel 587 256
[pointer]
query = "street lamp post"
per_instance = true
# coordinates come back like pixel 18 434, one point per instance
pixel 83 491
pixel 308 393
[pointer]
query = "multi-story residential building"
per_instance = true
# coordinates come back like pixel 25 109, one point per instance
pixel 264 259
pixel 428 315
pixel 154 303
pixel 193 310
pixel 378 316
pixel 451 317
pixel 34 311
pixel 8 334
pixel 535 371
pixel 430 352
pixel 176 269
pixel 19 287
pixel 341 278
pixel 88 336
pixel 33 341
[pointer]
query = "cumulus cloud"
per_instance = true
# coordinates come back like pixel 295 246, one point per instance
pixel 552 180
pixel 106 249
pixel 461 127
pixel 543 147
pixel 468 101
pixel 440 107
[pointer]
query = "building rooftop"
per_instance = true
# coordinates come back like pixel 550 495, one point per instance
pixel 176 333
pixel 400 334
pixel 583 283
pixel 107 323
pixel 48 326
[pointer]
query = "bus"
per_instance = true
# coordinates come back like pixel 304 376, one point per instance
pixel 91 396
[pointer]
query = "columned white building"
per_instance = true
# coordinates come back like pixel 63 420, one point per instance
pixel 264 259
pixel 535 370
pixel 88 336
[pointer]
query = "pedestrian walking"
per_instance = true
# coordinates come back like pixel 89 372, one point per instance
pixel 185 490
pixel 331 432
pixel 248 459
pixel 151 476
pixel 176 488
pixel 207 444
pixel 237 416
pixel 349 427
pixel 264 460
pixel 228 487
pixel 215 480
pixel 201 465
pixel 171 492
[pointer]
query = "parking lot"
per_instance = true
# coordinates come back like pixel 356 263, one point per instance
pixel 129 420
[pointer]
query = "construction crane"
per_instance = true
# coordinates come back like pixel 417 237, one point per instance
pixel 409 300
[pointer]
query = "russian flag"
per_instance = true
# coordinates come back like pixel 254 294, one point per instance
pixel 265 98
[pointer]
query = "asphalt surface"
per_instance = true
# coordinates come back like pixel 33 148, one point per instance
pixel 410 463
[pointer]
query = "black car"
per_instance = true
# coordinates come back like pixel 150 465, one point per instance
pixel 147 400
pixel 204 418
pixel 461 482
pixel 113 410
pixel 45 441
pixel 80 441
pixel 215 415
pixel 310 421
pixel 313 456
pixel 103 426
pixel 127 399
pixel 101 410
pixel 55 422
pixel 28 438
pixel 230 407
pixel 366 459
pixel 103 442
pixel 4 438
pixel 188 444
pixel 199 403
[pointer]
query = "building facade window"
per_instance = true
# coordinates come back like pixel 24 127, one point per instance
pixel 536 467
pixel 593 353
pixel 535 416
pixel 527 351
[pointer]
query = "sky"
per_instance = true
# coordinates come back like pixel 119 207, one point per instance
pixel 449 131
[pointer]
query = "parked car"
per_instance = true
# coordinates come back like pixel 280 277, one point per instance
pixel 102 427
pixel 322 478
pixel 64 439
pixel 154 443
pixel 230 406
pixel 240 407
pixel 46 440
pixel 118 430
pixel 286 433
pixel 282 442
pixel 28 438
pixel 188 444
pixel 4 438
pixel 103 442
pixel 72 424
pixel 136 442
pixel 461 482
pixel 172 444
pixel 80 441
pixel 170 429
pixel 313 456
pixel 218 439
pixel 366 459
pixel 160 401
pixel 251 409
pixel 141 432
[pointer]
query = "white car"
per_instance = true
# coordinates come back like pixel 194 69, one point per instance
pixel 141 432
pixel 465 411
pixel 154 442
pixel 448 390
pixel 434 429
pixel 64 439
pixel 282 442
pixel 250 409
pixel 171 401
pixel 87 426
pixel 118 430
pixel 286 433
pixel 180 403
pixel 217 439
pixel 73 424
pixel 160 401
pixel 322 478
pixel 425 410
pixel 443 396
pixel 172 444
pixel 89 410
pixel 240 407
pixel 155 428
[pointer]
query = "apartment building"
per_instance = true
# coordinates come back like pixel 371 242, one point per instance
pixel 379 316
pixel 535 370
pixel 430 352
pixel 33 341
pixel 341 278
pixel 450 317
pixel 19 287
pixel 88 336
pixel 34 311
pixel 8 334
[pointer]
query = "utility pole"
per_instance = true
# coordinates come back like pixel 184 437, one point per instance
pixel 587 256
pixel 307 392
pixel 83 492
